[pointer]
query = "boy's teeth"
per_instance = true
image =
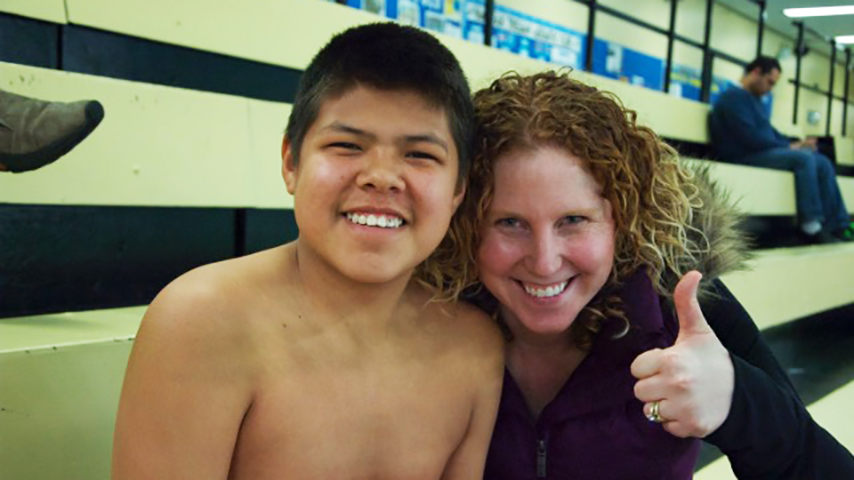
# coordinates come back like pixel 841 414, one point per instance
pixel 382 221
pixel 544 292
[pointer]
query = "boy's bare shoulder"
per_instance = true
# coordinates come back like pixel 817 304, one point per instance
pixel 217 297
pixel 461 323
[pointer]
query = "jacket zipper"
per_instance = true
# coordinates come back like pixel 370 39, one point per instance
pixel 541 459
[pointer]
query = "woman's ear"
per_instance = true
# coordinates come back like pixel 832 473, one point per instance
pixel 459 194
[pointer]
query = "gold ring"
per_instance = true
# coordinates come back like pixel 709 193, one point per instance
pixel 654 414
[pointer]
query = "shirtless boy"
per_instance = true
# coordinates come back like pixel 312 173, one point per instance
pixel 322 359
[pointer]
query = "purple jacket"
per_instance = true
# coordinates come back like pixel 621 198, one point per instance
pixel 595 428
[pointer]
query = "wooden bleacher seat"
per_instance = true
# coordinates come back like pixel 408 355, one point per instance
pixel 60 379
pixel 844 147
pixel 158 146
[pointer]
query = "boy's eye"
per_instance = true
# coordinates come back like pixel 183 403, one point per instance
pixel 422 155
pixel 345 146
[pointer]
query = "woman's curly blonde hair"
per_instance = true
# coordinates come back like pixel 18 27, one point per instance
pixel 652 195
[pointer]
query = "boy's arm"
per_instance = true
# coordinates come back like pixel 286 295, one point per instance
pixel 185 391
pixel 468 460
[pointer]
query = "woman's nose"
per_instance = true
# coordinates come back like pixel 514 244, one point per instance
pixel 545 256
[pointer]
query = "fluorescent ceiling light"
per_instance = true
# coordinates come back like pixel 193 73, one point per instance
pixel 819 11
pixel 845 39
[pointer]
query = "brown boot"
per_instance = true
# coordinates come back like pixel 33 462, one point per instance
pixel 34 133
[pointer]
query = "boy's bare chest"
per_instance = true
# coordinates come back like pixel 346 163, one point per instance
pixel 336 420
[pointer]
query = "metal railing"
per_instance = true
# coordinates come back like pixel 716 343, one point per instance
pixel 710 53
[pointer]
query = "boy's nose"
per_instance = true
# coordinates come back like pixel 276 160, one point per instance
pixel 545 257
pixel 382 171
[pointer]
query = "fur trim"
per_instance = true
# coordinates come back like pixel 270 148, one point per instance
pixel 727 247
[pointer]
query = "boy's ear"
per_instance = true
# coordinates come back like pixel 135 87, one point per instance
pixel 289 169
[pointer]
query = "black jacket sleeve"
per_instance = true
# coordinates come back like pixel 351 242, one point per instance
pixel 768 434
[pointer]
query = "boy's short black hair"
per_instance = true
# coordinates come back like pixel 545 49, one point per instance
pixel 386 56
pixel 764 64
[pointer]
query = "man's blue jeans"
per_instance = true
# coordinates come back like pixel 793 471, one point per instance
pixel 818 196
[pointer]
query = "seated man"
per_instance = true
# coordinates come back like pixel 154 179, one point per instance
pixel 742 133
pixel 323 358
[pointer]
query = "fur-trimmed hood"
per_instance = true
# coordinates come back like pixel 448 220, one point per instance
pixel 716 216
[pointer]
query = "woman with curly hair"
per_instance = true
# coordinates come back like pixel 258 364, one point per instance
pixel 586 238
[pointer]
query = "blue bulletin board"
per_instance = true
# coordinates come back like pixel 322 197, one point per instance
pixel 536 38
pixel 438 15
pixel 685 82
pixel 513 31
pixel 616 61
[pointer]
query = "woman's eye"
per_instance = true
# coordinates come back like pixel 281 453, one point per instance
pixel 508 223
pixel 572 220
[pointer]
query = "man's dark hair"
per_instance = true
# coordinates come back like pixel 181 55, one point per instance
pixel 386 56
pixel 764 64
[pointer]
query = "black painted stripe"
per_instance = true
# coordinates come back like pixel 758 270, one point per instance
pixel 29 42
pixel 97 52
pixel 63 258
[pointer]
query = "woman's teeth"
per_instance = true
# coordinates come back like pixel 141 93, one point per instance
pixel 540 291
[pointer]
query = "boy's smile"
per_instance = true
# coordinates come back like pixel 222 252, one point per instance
pixel 375 186
pixel 375 219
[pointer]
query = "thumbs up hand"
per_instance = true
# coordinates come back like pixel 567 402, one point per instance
pixel 692 381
